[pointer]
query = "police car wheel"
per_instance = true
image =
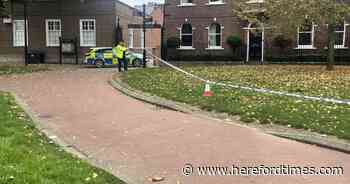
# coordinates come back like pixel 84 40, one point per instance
pixel 99 63
pixel 137 62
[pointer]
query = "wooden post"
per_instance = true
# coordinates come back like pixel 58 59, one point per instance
pixel 60 50
pixel 76 50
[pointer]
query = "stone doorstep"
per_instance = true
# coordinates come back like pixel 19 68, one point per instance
pixel 329 142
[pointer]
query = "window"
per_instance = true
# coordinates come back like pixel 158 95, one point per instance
pixel 88 32
pixel 255 1
pixel 340 36
pixel 53 32
pixel 18 33
pixel 214 36
pixel 306 36
pixel 186 35
pixel 131 38
pixel 216 1
pixel 186 3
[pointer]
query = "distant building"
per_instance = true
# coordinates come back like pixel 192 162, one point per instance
pixel 91 22
pixel 153 32
pixel 126 15
pixel 149 7
pixel 203 27
pixel 94 23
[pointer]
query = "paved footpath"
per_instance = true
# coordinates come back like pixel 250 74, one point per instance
pixel 136 140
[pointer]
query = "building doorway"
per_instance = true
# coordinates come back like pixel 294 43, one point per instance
pixel 255 43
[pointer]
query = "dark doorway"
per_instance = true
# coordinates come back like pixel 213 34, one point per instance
pixel 255 45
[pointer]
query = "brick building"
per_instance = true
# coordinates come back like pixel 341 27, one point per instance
pixel 204 25
pixel 150 7
pixel 92 22
pixel 127 15
pixel 153 32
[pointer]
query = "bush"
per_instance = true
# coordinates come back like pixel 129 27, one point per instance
pixel 173 42
pixel 234 41
pixel 282 42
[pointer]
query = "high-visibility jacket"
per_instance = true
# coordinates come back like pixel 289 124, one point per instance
pixel 119 51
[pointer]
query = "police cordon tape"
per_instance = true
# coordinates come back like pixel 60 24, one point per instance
pixel 259 90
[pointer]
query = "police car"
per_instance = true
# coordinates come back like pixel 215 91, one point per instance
pixel 103 56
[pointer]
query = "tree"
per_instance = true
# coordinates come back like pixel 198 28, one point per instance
pixel 173 42
pixel 282 42
pixel 288 16
pixel 234 42
pixel 3 12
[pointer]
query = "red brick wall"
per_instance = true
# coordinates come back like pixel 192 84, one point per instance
pixel 202 15
pixel 70 12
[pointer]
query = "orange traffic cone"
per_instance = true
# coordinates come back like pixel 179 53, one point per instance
pixel 207 91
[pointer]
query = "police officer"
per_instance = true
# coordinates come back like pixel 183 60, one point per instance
pixel 114 52
pixel 119 52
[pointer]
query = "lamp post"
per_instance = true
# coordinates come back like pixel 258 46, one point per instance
pixel 163 41
pixel 25 34
pixel 25 15
pixel 144 35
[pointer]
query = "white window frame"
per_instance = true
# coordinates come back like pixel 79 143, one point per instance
pixel 183 3
pixel 14 33
pixel 312 38
pixel 344 37
pixel 211 2
pixel 131 38
pixel 211 34
pixel 180 33
pixel 255 1
pixel 48 34
pixel 82 44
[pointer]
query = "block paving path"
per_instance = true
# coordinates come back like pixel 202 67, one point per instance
pixel 136 141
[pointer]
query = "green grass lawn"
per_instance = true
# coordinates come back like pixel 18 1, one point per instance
pixel 325 118
pixel 7 69
pixel 26 156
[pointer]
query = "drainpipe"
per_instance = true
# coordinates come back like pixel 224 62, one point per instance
pixel 25 34
pixel 118 32
pixel 248 42
pixel 162 50
pixel 262 44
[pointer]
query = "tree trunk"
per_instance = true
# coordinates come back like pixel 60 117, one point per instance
pixel 3 12
pixel 331 43
pixel 234 51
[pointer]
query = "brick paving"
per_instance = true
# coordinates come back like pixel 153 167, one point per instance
pixel 137 141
